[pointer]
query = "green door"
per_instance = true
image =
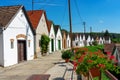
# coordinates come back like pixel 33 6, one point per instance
pixel 59 45
pixel 52 45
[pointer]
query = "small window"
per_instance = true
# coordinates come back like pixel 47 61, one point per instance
pixel 28 43
pixel 12 43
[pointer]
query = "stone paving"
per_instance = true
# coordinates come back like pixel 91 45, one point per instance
pixel 62 71
pixel 51 64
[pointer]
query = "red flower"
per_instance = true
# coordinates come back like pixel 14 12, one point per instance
pixel 75 65
pixel 112 57
pixel 108 53
pixel 81 59
pixel 89 61
pixel 101 65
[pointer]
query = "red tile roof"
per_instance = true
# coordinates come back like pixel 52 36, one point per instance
pixel 49 23
pixel 35 17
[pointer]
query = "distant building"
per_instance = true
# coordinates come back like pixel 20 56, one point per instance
pixel 38 20
pixel 68 41
pixel 51 36
pixel 64 39
pixel 58 37
pixel 81 40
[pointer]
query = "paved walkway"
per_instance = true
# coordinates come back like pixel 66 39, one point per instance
pixel 62 71
pixel 51 64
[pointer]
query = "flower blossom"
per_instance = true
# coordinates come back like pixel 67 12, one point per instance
pixel 108 53
pixel 112 57
pixel 75 65
pixel 101 65
pixel 90 61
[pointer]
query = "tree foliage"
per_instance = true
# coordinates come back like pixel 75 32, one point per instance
pixel 106 33
pixel 116 40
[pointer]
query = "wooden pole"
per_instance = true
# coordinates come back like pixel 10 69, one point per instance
pixel 84 27
pixel 70 21
pixel 32 4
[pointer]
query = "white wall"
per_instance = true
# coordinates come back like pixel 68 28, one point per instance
pixel 88 41
pixel 81 42
pixel 51 36
pixel 30 50
pixel 68 41
pixel 41 29
pixel 19 25
pixel 1 50
pixel 58 37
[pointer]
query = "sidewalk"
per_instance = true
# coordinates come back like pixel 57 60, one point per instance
pixel 51 64
pixel 62 71
pixel 25 69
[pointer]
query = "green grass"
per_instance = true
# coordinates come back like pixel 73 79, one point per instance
pixel 104 77
pixel 95 48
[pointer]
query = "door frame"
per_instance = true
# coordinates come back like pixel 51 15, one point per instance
pixel 25 50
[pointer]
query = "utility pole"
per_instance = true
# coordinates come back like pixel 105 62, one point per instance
pixel 32 5
pixel 70 21
pixel 84 27
pixel 85 43
pixel 90 29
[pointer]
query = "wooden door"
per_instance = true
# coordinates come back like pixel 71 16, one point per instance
pixel 59 44
pixel 21 50
pixel 52 44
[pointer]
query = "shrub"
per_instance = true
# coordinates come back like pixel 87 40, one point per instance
pixel 44 43
pixel 66 54
pixel 95 43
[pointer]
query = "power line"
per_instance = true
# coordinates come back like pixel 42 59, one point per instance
pixel 64 14
pixel 83 22
pixel 78 10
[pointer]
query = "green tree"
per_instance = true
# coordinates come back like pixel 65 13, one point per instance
pixel 44 42
pixel 107 33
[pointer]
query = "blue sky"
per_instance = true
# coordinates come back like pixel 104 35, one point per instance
pixel 98 14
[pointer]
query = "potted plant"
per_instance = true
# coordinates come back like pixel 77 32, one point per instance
pixel 66 55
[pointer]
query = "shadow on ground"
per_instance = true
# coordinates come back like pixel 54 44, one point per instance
pixel 70 69
pixel 59 78
pixel 60 64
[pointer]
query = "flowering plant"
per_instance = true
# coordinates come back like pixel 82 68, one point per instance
pixel 83 61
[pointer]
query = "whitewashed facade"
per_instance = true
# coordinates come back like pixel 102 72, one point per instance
pixel 39 23
pixel 68 41
pixel 16 35
pixel 88 40
pixel 58 39
pixel 52 39
pixel 81 40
